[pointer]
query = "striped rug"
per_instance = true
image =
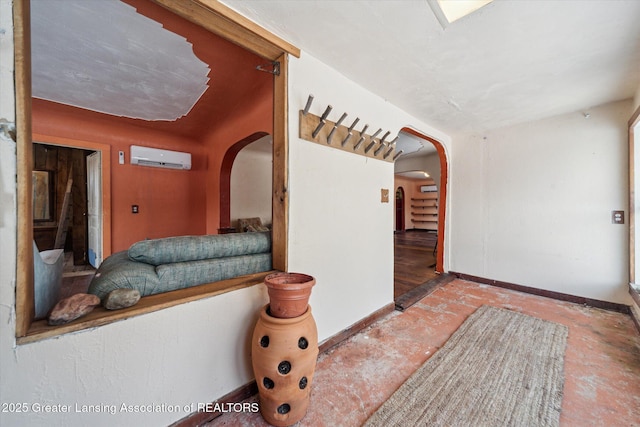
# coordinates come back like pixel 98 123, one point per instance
pixel 500 368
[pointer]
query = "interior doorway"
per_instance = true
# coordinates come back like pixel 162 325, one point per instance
pixel 421 182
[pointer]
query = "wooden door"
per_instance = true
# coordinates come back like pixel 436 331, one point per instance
pixel 400 209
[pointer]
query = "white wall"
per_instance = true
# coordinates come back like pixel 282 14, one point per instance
pixel 197 352
pixel 531 204
pixel 251 182
pixel 636 99
pixel 339 231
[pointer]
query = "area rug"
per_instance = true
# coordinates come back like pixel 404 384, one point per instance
pixel 500 368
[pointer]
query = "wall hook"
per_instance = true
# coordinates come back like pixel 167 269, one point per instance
pixel 373 141
pixel 349 131
pixel 323 121
pixel 330 137
pixel 385 137
pixel 306 107
pixel 397 155
pixel 382 144
pixel 275 68
pixel 362 137
pixel 391 146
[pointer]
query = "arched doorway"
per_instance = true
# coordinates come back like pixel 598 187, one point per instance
pixel 419 247
pixel 399 209
pixel 225 179
pixel 442 194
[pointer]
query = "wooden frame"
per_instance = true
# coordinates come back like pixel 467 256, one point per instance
pixel 219 19
pixel 105 151
pixel 633 122
pixel 442 199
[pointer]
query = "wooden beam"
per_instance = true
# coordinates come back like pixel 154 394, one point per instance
pixel 280 200
pixel 633 122
pixel 229 24
pixel 25 311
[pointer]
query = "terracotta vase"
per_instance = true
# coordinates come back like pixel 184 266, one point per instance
pixel 288 293
pixel 283 354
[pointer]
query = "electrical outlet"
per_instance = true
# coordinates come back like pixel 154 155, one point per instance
pixel 135 209
pixel 617 217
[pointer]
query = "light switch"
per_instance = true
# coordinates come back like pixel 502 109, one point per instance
pixel 617 217
pixel 121 157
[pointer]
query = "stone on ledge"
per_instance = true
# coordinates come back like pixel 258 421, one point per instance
pixel 121 298
pixel 72 308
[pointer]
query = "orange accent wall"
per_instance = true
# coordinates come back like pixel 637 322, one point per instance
pixel 171 202
pixel 253 115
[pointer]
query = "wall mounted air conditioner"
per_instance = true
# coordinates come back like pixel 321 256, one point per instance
pixel 156 157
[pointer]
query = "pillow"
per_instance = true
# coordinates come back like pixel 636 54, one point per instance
pixel 251 224
pixel 194 248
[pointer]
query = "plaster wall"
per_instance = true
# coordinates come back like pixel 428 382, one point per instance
pixel 531 204
pixel 339 231
pixel 411 189
pixel 196 352
pixel 636 99
pixel 251 182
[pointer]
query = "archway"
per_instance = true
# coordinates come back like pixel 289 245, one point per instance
pixel 442 196
pixel 225 178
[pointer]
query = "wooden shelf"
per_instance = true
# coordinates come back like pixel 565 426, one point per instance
pixel 424 211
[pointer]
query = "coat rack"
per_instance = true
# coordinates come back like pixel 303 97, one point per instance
pixel 322 131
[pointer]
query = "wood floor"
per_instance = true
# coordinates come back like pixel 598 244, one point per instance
pixel 414 260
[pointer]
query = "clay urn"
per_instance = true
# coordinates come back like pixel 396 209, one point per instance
pixel 283 354
pixel 288 294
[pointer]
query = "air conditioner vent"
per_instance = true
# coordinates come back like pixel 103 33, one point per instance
pixel 155 157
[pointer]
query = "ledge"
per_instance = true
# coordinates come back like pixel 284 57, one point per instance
pixel 100 316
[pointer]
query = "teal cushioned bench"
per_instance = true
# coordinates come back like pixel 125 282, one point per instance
pixel 162 265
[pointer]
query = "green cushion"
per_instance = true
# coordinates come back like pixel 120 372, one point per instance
pixel 185 274
pixel 195 248
pixel 118 271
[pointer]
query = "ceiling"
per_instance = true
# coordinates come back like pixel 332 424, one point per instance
pixel 509 62
pixel 135 63
pixel 82 59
